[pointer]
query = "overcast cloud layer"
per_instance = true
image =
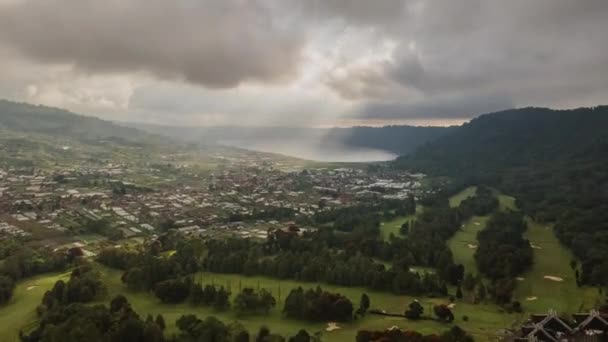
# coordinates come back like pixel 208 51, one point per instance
pixel 318 62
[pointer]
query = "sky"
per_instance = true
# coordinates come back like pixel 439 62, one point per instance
pixel 319 63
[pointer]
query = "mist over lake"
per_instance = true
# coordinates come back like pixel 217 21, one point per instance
pixel 311 151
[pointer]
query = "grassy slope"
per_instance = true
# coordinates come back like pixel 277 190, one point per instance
pixel 21 311
pixel 552 259
pixel 484 321
pixel 395 224
pixel 459 243
pixel 461 196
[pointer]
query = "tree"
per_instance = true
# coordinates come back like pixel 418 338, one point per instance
pixel 458 292
pixel 301 336
pixel 443 313
pixel 173 290
pixel 222 299
pixel 468 283
pixel 263 334
pixel 481 291
pixel 363 305
pixel 267 300
pixel 7 285
pixel 456 334
pixel 414 311
pixel 160 321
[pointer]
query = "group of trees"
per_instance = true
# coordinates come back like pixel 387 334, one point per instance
pixel 80 322
pixel 319 264
pixel 455 334
pixel 210 295
pixel 252 301
pixel 317 305
pixel 503 252
pixel 83 286
pixel 415 311
pixel 173 290
pixel 25 262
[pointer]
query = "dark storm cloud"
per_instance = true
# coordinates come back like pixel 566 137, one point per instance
pixel 445 58
pixel 214 43
pixel 451 53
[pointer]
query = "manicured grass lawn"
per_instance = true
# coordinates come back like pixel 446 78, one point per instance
pixel 484 320
pixel 553 259
pixel 21 310
pixel 461 196
pixel 393 226
pixel 506 202
pixel 467 235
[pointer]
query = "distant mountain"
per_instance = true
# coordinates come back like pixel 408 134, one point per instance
pixel 394 139
pixel 555 162
pixel 27 118
pixel 516 138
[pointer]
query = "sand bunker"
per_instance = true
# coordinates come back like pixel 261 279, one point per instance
pixel 331 326
pixel 472 246
pixel 477 224
pixel 553 278
pixel 529 299
pixel 520 278
pixel 31 287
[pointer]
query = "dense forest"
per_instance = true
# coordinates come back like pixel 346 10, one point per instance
pixel 555 162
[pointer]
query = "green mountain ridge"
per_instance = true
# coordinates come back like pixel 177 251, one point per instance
pixel 27 118
pixel 555 162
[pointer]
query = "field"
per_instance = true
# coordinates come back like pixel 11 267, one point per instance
pixel 393 226
pixel 463 243
pixel 536 293
pixel 20 312
pixel 484 320
pixel 551 258
pixel 461 196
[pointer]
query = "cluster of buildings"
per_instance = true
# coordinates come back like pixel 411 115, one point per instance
pixel 242 197
pixel 550 327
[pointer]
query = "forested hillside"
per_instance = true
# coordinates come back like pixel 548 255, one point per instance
pixel 396 139
pixel 554 161
pixel 26 118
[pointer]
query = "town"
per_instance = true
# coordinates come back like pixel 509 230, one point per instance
pixel 92 206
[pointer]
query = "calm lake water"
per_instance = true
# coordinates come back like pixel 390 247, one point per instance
pixel 312 151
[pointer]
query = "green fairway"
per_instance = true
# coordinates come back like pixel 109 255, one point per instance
pixel 21 311
pixel 464 243
pixel 484 320
pixel 393 226
pixel 551 258
pixel 461 196
pixel 506 202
